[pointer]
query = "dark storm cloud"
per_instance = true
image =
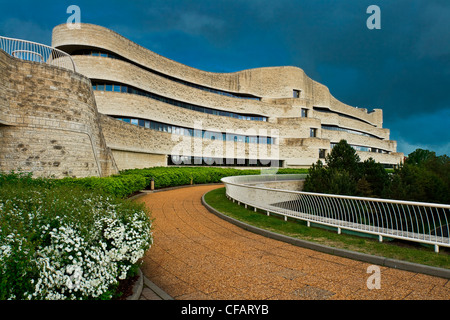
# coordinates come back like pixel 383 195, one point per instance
pixel 403 68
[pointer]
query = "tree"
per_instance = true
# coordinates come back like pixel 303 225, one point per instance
pixel 343 157
pixel 420 156
pixel 423 177
pixel 340 174
pixel 374 179
pixel 317 178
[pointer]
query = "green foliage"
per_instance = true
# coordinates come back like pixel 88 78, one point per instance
pixel 63 241
pixel 423 177
pixel 420 156
pixel 165 177
pixel 343 157
pixel 373 179
pixel 118 185
pixel 344 174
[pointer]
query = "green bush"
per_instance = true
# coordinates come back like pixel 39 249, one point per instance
pixel 423 177
pixel 118 185
pixel 178 176
pixel 66 242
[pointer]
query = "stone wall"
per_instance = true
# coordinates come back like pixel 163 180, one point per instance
pixel 129 138
pixel 49 123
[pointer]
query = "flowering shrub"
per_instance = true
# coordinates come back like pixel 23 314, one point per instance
pixel 62 242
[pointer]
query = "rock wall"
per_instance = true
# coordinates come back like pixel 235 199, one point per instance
pixel 49 123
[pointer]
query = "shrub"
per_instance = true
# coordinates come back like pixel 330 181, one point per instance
pixel 66 242
pixel 119 185
pixel 177 176
pixel 341 174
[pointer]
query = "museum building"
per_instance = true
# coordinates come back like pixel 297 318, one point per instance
pixel 147 110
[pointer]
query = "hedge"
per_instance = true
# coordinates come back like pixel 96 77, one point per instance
pixel 178 176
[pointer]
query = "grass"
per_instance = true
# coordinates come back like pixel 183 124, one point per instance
pixel 395 249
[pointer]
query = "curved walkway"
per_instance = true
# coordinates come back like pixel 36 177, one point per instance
pixel 197 255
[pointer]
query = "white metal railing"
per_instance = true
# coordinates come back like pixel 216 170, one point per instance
pixel 413 221
pixel 32 51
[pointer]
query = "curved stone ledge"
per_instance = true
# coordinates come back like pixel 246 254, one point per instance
pixel 123 72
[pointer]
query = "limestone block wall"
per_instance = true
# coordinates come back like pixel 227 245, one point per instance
pixel 123 72
pixel 131 105
pixel 49 122
pixel 124 136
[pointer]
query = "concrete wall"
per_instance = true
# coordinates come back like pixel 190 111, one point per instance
pixel 49 123
pixel 291 185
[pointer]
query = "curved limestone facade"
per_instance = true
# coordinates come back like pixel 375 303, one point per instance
pixel 156 112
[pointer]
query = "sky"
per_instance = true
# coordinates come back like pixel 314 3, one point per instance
pixel 403 67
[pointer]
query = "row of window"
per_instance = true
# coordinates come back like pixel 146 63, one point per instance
pixel 100 53
pixel 175 160
pixel 117 87
pixel 204 134
pixel 362 148
pixel 336 128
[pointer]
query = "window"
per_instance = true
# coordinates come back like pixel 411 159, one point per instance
pixel 296 93
pixel 322 153
pixel 313 132
pixel 304 113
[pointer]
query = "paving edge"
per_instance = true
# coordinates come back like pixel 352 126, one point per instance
pixel 139 287
pixel 162 294
pixel 378 260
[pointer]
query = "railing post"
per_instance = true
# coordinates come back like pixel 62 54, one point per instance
pixel 436 248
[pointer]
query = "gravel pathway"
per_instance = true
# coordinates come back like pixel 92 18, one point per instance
pixel 198 256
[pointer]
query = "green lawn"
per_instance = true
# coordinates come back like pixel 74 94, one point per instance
pixel 411 252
